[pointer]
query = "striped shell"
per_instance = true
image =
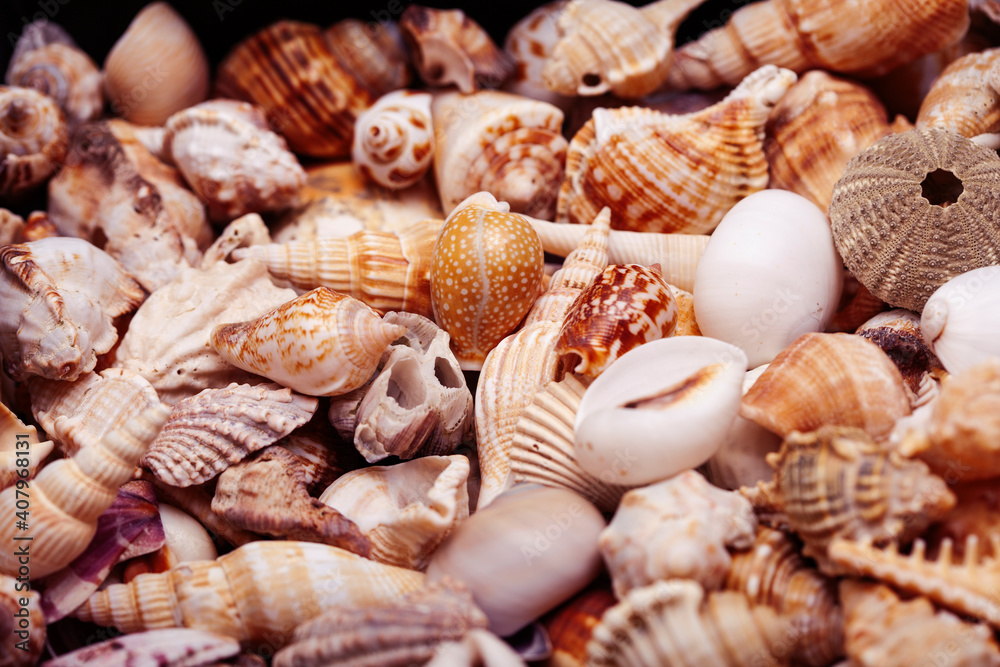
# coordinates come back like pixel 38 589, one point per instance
pixel 63 72
pixel 959 101
pixel 394 139
pixel 33 140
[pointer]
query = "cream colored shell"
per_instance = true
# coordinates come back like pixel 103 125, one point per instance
pixel 33 140
pixel 63 72
pixel 20 445
pixel 394 139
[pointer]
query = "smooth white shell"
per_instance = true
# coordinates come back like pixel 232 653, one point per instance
pixel 769 274
pixel 961 320
pixel 186 538
pixel 701 381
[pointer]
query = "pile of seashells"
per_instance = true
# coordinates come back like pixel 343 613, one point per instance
pixel 469 355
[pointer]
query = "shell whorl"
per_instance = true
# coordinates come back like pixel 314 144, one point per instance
pixel 394 139
pixel 958 100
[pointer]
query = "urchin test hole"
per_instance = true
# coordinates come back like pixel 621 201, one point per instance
pixel 941 188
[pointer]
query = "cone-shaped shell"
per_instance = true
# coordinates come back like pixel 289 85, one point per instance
pixel 394 139
pixel 64 73
pixel 663 173
pixel 961 320
pixel 33 140
pixel 958 100
pixel 322 343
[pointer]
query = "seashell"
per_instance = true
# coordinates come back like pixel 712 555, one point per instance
pixel 388 271
pixel 571 626
pixel 402 632
pixel 19 650
pixel 960 322
pixel 394 139
pixel 662 408
pixel 967 586
pixel 882 629
pixel 185 540
pixel 975 513
pixel 540 545
pixel 416 404
pixel 18 443
pixel 11 228
pixel 323 455
pixel 529 44
pixel 679 528
pixel 897 333
pixel 78 415
pixel 687 325
pixel 914 187
pixel 828 379
pixel 234 163
pixel 156 68
pixel 180 363
pixel 218 428
pixel 33 140
pixel 857 306
pixel 477 647
pixel 667 173
pixel 322 343
pixel 38 227
pixel 504 144
pixel 526 361
pixel 837 483
pixel 267 495
pixel 815 129
pixel 407 509
pixel 154 647
pixel 68 495
pixel 197 502
pixel 801 35
pixel 243 232
pixel 774 573
pixel 624 307
pixel 60 296
pixel 480 300
pixel 313 85
pixel 958 101
pixel 448 47
pixel 258 593
pixel 671 622
pixel 606 45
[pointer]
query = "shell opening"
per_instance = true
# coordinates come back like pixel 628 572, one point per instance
pixel 591 80
pixel 445 374
pixel 405 386
pixel 941 188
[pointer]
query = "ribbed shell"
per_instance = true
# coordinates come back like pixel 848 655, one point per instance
pixel 173 646
pixel 33 140
pixel 256 594
pixel 962 98
pixel 915 210
pixel 14 450
pixel 216 428
pixel 376 56
pixel 64 73
pixel 571 626
pixel 394 139
pixel 664 173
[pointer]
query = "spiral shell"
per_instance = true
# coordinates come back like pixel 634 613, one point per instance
pixel 33 140
pixel 958 101
pixel 394 139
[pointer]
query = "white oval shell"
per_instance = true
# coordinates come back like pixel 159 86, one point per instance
pixel 961 320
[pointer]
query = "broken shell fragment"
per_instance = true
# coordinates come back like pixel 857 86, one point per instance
pixel 394 139
pixel 33 140
pixel 171 646
pixel 961 320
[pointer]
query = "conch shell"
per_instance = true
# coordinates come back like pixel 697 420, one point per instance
pixel 33 140
pixel 394 139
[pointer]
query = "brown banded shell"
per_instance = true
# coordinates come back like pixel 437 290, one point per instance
pixel 33 140
pixel 962 99
pixel 63 72
pixel 915 210
pixel 624 307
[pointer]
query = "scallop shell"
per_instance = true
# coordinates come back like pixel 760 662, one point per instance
pixel 897 333
pixel 394 139
pixel 60 297
pixel 665 173
pixel 448 47
pixel 33 140
pixel 21 650
pixel 20 443
pixel 529 44
pixel 153 647
pixel 217 428
pixel 156 68
pixel 828 379
pixel 504 144
pixel 805 34
pixel 958 101
pixel 679 528
pixel 915 210
pixel 63 72
pixel 322 343
pixel 960 320
pixel 232 160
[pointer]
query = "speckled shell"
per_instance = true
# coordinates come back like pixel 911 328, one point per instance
pixel 624 307
pixel 156 68
pixel 171 646
pixel 676 529
pixel 837 379
pixel 903 223
pixel 815 129
pixel 529 44
pixel 64 73
pixel 388 271
pixel 672 622
pixel 230 158
pixel 805 34
pixel 14 449
pixel 961 319
pixel 504 144
pixel 394 139
pixel 33 140
pixel 60 297
pixel 322 343
pixel 897 333
pixel 664 173
pixel 835 482
pixel 10 603
pixel 257 594
pixel 68 495
pixel 958 100
pixel 216 428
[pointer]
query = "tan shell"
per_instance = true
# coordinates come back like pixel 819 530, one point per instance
pixel 179 362
pixel 154 647
pixel 63 72
pixel 959 101
pixel 33 140
pixel 448 47
pixel 394 139
pixel 68 496
pixel 19 442
pixel 897 333
pixel 665 173
pixel 257 594
pixel 679 528
pixel 156 68
pixel 388 271
pixel 837 483
pixel 217 428
pixel 406 509
pixel 376 56
pixel 806 34
pixel 33 642
pixel 687 325
pixel 915 210
pixel 837 379
pixel 60 297
pixel 232 161
pixel 322 343
pixel 672 622
pixel 243 232
pixel 324 456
